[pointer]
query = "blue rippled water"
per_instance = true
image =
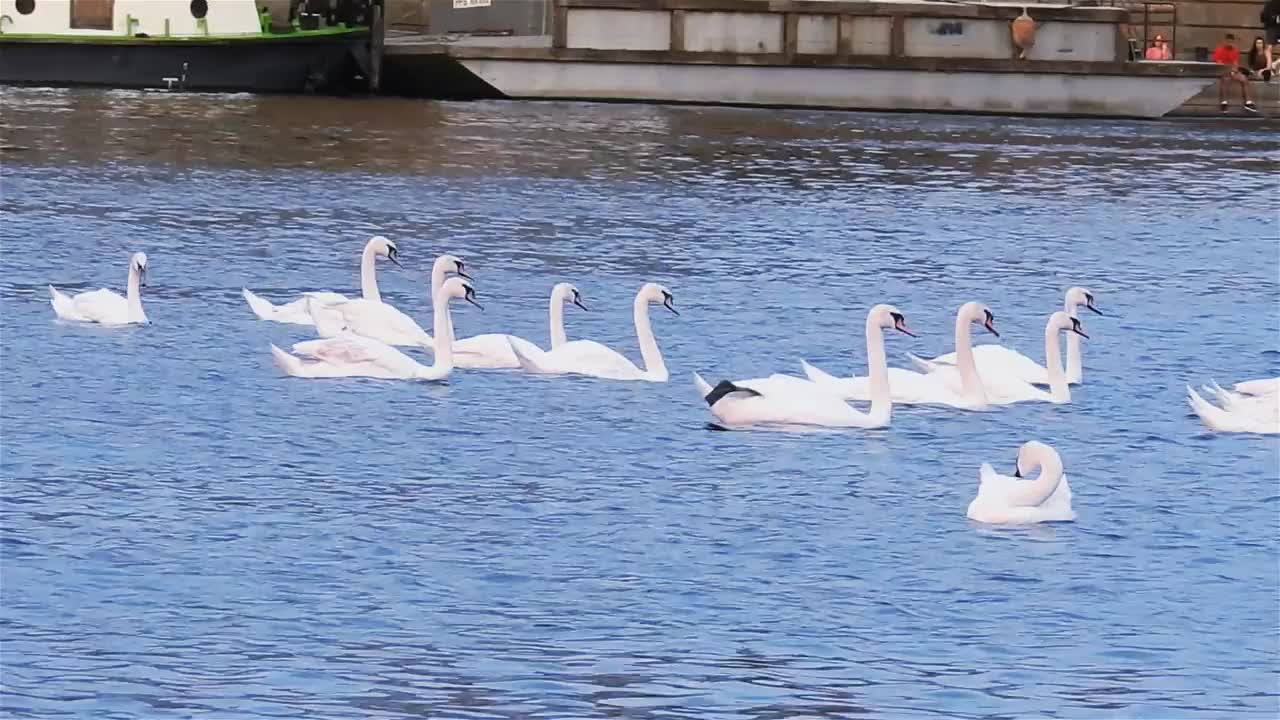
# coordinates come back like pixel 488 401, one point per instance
pixel 188 533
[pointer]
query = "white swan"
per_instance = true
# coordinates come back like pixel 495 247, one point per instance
pixel 381 321
pixel 998 361
pixel 296 312
pixel 1238 412
pixel 588 357
pixel 493 350
pixel 1002 389
pixel 350 355
pixel 786 400
pixel 105 306
pixel 1011 500
pixel 962 389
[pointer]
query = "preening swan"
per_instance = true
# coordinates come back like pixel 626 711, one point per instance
pixel 296 312
pixel 1238 412
pixel 105 306
pixel 785 400
pixel 493 350
pixel 962 389
pixel 998 361
pixel 588 357
pixel 1011 500
pixel 381 321
pixel 347 354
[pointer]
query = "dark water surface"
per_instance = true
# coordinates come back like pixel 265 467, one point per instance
pixel 188 533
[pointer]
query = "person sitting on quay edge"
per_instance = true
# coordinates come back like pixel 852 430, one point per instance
pixel 1159 49
pixel 1257 58
pixel 1227 54
pixel 1270 17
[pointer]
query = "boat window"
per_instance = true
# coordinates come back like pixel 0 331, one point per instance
pixel 92 14
pixel 199 8
pixel 26 7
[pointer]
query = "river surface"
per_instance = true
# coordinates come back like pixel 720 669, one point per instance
pixel 188 533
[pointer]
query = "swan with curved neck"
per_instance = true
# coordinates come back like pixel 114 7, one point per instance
pixel 786 400
pixel 915 388
pixel 493 350
pixel 296 312
pixel 999 361
pixel 588 357
pixel 105 306
pixel 1005 500
pixel 347 354
pixel 382 321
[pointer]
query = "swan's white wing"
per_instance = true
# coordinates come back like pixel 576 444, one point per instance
pixel 63 306
pixel 380 321
pixel 350 354
pixel 784 400
pixel 492 350
pixel 102 306
pixel 321 296
pixel 588 357
pixel 997 361
pixel 1058 505
pixel 905 386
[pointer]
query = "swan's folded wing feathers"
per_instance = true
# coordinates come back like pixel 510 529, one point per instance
pixel 101 304
pixel 378 319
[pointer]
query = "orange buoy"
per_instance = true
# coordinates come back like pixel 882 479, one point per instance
pixel 1023 29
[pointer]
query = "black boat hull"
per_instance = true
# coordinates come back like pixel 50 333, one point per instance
pixel 334 63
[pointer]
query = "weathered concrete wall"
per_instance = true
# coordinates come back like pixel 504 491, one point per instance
pixel 841 31
pixel 619 29
pixel 519 17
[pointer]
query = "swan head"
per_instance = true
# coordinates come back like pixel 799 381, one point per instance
pixel 138 264
pixel 456 287
pixel 655 293
pixel 1032 455
pixel 889 317
pixel 1078 296
pixel 385 248
pixel 1060 321
pixel 449 264
pixel 568 292
pixel 979 314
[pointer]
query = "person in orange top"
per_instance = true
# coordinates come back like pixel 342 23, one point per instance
pixel 1159 49
pixel 1227 54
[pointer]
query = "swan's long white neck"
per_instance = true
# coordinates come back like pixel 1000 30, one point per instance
pixel 133 295
pixel 558 337
pixel 437 282
pixel 1053 363
pixel 970 381
pixel 1035 492
pixel 368 274
pixel 653 364
pixel 878 371
pixel 1075 367
pixel 442 325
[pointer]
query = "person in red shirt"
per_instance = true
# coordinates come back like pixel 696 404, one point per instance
pixel 1227 54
